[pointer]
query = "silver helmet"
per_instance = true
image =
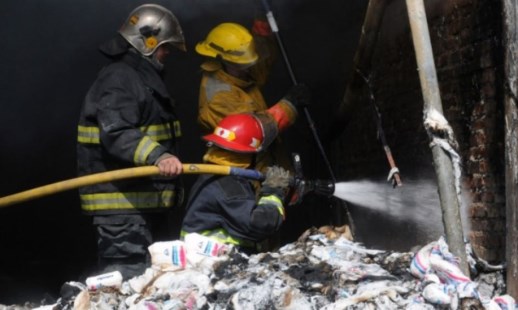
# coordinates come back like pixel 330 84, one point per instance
pixel 151 25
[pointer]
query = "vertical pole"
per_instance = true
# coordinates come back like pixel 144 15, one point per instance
pixel 510 14
pixel 275 29
pixel 432 101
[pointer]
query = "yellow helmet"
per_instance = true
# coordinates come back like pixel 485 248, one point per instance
pixel 232 42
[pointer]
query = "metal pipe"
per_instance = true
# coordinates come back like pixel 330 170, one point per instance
pixel 394 171
pixel 432 101
pixel 275 29
pixel 510 14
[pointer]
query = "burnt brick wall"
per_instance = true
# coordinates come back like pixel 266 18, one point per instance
pixel 466 41
pixel 467 45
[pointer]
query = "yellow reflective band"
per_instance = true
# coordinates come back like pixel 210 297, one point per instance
pixel 158 132
pixel 177 129
pixel 273 200
pixel 88 134
pixel 132 200
pixel 167 198
pixel 144 148
pixel 222 236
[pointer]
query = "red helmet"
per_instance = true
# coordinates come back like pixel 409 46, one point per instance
pixel 241 133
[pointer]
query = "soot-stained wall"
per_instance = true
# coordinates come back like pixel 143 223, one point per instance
pixel 49 59
pixel 466 42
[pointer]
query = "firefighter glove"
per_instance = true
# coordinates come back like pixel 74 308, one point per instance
pixel 299 95
pixel 277 182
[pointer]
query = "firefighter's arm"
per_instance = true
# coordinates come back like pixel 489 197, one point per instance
pixel 269 213
pixel 285 111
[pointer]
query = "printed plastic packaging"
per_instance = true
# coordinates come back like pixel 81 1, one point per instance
pixel 168 255
pixel 205 245
pixel 421 262
pixel 111 279
pixel 437 294
pixel 505 302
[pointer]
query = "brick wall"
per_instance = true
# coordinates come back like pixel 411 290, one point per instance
pixel 466 40
pixel 469 62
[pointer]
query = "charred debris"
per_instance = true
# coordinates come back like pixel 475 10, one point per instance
pixel 323 269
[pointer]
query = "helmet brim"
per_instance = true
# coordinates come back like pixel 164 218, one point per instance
pixel 114 46
pixel 201 48
pixel 204 49
pixel 228 145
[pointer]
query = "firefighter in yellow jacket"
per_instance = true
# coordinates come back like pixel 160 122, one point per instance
pixel 231 83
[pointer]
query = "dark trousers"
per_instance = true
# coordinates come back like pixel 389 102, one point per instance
pixel 123 241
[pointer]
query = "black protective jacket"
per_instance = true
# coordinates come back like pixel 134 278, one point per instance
pixel 229 203
pixel 127 120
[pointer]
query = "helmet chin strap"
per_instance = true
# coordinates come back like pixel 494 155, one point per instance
pixel 155 62
pixel 151 58
pixel 237 70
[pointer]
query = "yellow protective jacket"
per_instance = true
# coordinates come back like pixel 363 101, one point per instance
pixel 222 94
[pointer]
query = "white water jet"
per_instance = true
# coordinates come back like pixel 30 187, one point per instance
pixel 416 199
pixel 416 202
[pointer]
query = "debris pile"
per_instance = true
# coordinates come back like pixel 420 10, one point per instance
pixel 324 269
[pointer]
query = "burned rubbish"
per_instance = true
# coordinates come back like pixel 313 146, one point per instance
pixel 324 269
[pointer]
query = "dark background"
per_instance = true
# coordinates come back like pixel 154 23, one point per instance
pixel 48 60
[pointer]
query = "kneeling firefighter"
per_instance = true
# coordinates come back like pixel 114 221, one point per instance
pixel 227 208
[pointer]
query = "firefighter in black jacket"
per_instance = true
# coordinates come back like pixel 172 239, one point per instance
pixel 128 120
pixel 226 208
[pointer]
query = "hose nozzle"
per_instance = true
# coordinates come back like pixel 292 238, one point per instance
pixel 321 187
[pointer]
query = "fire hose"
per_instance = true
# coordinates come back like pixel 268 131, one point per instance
pixel 120 174
pixel 299 186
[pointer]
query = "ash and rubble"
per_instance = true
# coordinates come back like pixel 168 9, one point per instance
pixel 323 269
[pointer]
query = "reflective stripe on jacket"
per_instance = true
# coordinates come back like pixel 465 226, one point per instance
pixel 127 120
pixel 222 236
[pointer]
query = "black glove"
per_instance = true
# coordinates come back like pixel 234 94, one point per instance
pixel 299 95
pixel 277 182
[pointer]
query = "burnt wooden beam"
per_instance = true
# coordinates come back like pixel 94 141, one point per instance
pixel 443 163
pixel 510 26
pixel 361 63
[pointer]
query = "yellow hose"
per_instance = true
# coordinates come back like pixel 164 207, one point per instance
pixel 104 177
